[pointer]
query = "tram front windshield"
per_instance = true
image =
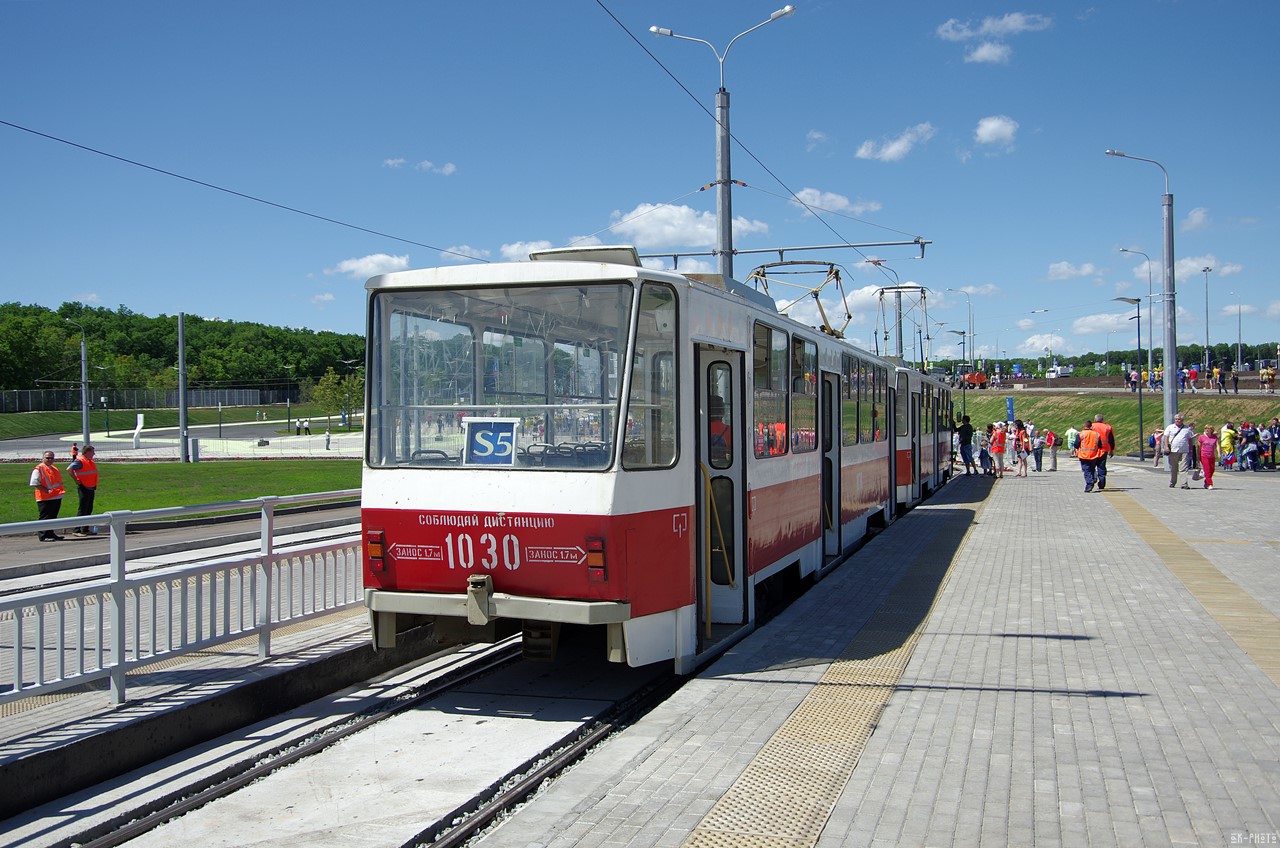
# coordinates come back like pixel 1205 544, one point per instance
pixel 511 377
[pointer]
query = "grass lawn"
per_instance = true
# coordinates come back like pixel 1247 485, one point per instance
pixel 152 485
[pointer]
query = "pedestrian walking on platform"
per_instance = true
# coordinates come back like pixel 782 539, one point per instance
pixel 46 479
pixel 1051 442
pixel 1207 444
pixel 1177 438
pixel 965 434
pixel 1108 436
pixel 84 470
pixel 1072 439
pixel 1089 451
pixel 999 440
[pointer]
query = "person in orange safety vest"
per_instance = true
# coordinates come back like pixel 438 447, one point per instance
pixel 1091 453
pixel 84 470
pixel 46 479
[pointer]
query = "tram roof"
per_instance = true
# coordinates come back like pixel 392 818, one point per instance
pixel 518 273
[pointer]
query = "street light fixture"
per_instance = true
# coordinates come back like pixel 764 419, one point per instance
pixel 1142 430
pixel 1170 295
pixel 724 201
pixel 1150 323
pixel 84 383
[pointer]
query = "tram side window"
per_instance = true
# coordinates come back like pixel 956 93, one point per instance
pixel 769 400
pixel 651 409
pixel 866 386
pixel 804 395
pixel 850 377
pixel 880 403
pixel 902 406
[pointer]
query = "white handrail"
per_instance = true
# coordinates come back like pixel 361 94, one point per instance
pixel 106 627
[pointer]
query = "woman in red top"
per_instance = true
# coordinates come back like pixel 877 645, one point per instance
pixel 998 441
pixel 1207 444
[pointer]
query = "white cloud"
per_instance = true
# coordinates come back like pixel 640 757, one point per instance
pixel 896 149
pixel 1197 219
pixel 463 253
pixel 1189 267
pixel 87 298
pixel 429 167
pixel 990 52
pixel 321 300
pixel 369 266
pixel 1014 23
pixel 814 139
pixel 829 201
pixel 652 226
pixel 1112 322
pixel 1036 344
pixel 518 251
pixel 1231 310
pixel 998 130
pixel 1067 271
pixel 393 163
pixel 1273 309
pixel 863 304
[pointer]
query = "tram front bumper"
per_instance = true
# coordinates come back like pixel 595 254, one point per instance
pixel 481 604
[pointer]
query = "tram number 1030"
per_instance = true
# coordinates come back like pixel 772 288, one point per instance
pixel 461 550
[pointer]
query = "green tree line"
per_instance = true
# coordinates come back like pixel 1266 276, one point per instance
pixel 40 348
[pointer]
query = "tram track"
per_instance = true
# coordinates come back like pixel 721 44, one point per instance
pixel 564 723
pixel 242 774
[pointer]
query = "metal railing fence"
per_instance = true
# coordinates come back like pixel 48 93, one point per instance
pixel 55 639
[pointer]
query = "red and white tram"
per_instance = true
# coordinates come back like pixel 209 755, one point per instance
pixel 581 440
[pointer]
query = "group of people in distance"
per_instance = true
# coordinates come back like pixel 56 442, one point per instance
pixel 1021 442
pixel 1251 447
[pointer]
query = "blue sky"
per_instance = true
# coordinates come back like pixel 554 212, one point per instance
pixel 485 128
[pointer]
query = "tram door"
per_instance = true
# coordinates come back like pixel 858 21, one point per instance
pixel 721 486
pixel 917 442
pixel 830 428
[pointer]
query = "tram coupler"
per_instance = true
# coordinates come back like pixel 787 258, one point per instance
pixel 479 594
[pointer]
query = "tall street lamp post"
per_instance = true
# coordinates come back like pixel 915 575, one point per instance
pixel 1239 309
pixel 964 384
pixel 724 202
pixel 1150 323
pixel 1170 298
pixel 1205 270
pixel 1142 431
pixel 969 303
pixel 84 384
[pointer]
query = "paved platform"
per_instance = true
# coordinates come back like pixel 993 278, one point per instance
pixel 1014 662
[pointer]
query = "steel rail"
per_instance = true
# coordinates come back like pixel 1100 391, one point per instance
pixel 237 776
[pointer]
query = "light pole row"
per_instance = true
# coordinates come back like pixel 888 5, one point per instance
pixel 1170 295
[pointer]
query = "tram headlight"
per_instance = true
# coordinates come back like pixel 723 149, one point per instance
pixel 596 572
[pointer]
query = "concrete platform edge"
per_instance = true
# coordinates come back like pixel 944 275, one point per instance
pixel 41 777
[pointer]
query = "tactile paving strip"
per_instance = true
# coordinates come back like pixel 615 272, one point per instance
pixel 1250 624
pixel 787 792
